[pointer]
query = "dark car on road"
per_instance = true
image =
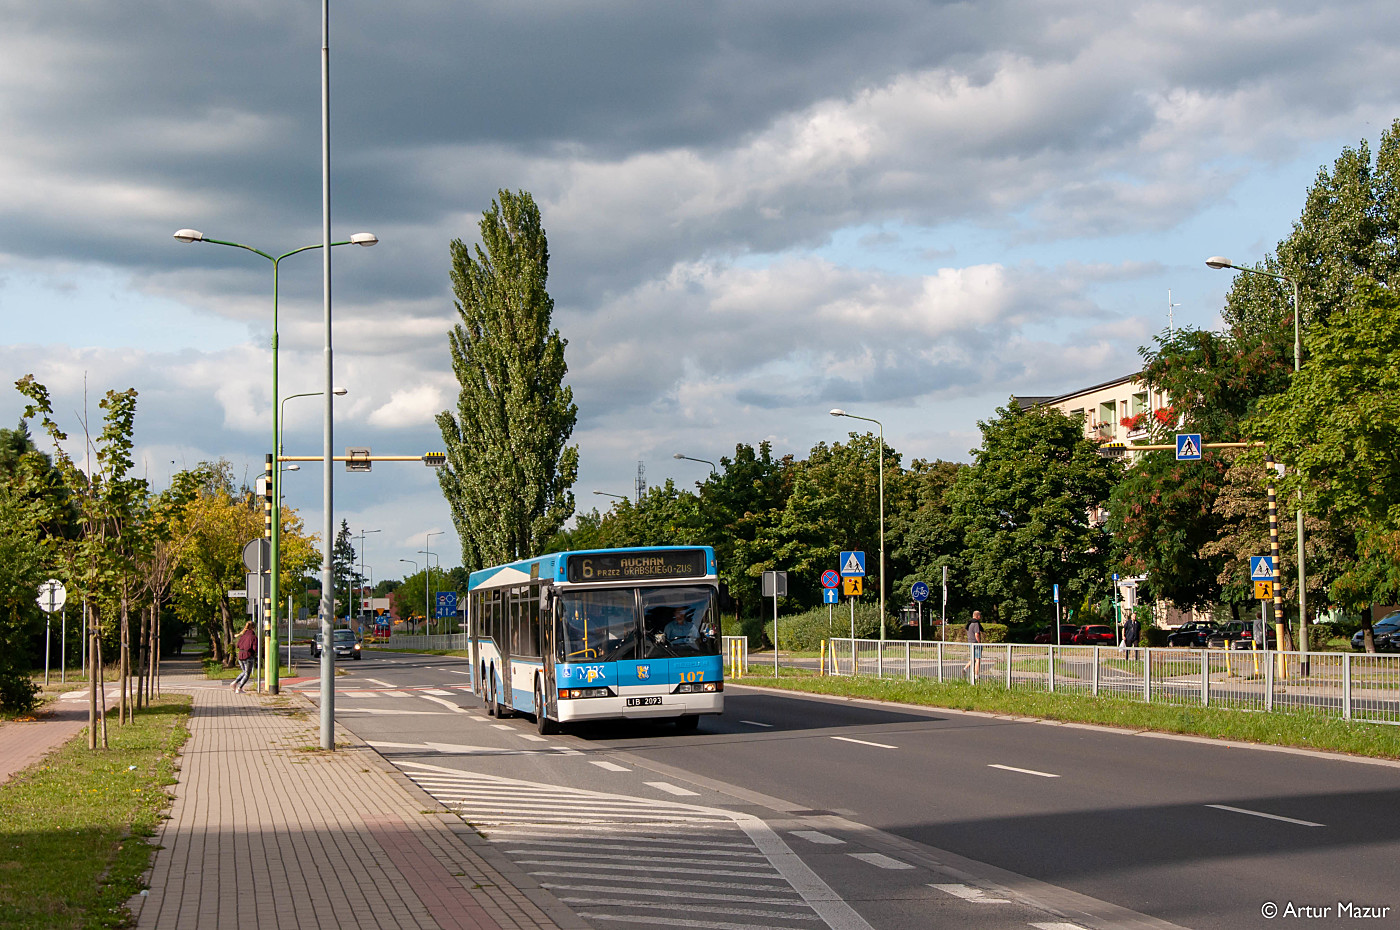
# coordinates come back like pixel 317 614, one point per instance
pixel 1094 635
pixel 1385 632
pixel 1193 634
pixel 1047 635
pixel 1237 634
pixel 345 643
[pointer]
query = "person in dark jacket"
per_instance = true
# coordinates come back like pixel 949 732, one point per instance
pixel 247 647
pixel 1131 631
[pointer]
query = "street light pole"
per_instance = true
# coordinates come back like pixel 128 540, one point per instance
pixel 361 537
pixel 415 571
pixel 621 497
pixel 427 574
pixel 1219 262
pixel 713 471
pixel 838 412
pixel 270 668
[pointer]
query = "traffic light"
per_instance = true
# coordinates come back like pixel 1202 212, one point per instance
pixel 434 459
pixel 1113 450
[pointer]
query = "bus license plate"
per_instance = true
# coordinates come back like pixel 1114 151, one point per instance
pixel 643 702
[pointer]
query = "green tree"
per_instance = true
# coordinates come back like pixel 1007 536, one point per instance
pixel 1335 427
pixel 924 541
pixel 1023 512
pixel 509 466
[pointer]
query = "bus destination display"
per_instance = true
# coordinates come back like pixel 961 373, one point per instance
pixel 637 566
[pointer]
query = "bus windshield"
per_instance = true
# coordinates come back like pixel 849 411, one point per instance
pixel 598 626
pixel 679 622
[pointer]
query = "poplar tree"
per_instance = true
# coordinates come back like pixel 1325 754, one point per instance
pixel 509 466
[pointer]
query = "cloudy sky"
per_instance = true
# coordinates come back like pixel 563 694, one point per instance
pixel 756 210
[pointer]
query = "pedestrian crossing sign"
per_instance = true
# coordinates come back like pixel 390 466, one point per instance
pixel 852 586
pixel 1188 447
pixel 1261 568
pixel 852 564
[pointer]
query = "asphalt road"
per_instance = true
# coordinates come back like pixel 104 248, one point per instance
pixel 909 818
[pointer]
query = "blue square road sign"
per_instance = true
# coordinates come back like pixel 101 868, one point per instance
pixel 852 564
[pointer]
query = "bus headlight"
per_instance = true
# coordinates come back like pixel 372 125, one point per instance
pixel 571 694
pixel 695 687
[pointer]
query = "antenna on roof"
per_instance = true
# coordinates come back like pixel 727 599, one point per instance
pixel 1170 316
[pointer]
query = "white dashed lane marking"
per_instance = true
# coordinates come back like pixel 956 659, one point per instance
pixel 609 766
pixel 1012 768
pixel 755 723
pixel 673 789
pixel 864 742
pixel 1241 810
pixel 813 836
pixel 880 860
pixel 968 893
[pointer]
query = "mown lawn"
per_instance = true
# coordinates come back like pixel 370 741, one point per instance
pixel 1300 729
pixel 74 827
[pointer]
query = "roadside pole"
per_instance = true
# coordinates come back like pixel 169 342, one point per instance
pixel 943 612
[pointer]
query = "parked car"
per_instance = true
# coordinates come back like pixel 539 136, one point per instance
pixel 1047 635
pixel 345 643
pixel 1193 634
pixel 1385 632
pixel 1237 634
pixel 1094 635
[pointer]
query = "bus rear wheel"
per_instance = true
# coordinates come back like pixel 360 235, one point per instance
pixel 543 724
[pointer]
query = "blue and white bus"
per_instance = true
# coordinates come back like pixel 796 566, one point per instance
pixel 599 634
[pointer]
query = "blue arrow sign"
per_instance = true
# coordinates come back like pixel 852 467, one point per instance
pixel 1057 594
pixel 1261 568
pixel 830 596
pixel 1188 447
pixel 852 564
pixel 920 591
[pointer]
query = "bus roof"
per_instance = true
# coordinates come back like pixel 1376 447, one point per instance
pixel 551 567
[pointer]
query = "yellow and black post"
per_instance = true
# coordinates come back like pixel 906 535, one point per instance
pixel 269 614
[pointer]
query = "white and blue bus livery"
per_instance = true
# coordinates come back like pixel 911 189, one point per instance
pixel 599 634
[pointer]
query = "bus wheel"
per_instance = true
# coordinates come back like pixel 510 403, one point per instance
pixel 543 724
pixel 688 723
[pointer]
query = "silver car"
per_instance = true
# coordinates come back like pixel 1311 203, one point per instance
pixel 345 643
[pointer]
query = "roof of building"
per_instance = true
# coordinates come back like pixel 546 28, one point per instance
pixel 1085 390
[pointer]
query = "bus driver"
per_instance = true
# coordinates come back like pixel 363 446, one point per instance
pixel 681 630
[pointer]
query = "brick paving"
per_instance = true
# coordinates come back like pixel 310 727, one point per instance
pixel 268 831
pixel 24 742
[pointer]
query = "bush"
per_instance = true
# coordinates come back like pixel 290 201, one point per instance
pixel 991 633
pixel 1152 636
pixel 805 631
pixel 1319 636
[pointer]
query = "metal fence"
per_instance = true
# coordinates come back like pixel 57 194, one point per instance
pixel 1353 686
pixel 436 641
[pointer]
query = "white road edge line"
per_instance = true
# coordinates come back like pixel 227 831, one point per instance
pixel 864 742
pixel 755 723
pixel 1012 768
pixel 1241 810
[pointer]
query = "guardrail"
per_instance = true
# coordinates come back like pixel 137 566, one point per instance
pixel 1353 686
pixel 435 641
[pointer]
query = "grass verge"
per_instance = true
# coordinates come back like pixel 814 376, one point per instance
pixel 1299 729
pixel 73 826
pixel 426 652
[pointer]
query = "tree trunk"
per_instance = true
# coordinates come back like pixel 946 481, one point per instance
pixel 1367 635
pixel 123 665
pixel 155 657
pixel 101 687
pixel 90 651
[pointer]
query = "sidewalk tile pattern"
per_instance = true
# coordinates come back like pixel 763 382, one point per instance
pixel 267 831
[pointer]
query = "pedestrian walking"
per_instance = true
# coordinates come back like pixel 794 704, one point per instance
pixel 974 640
pixel 247 647
pixel 1131 631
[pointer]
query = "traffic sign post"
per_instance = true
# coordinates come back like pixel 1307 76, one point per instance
pixel 1057 616
pixel 52 596
pixel 920 594
pixel 775 586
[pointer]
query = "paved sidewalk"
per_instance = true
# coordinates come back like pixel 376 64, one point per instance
pixel 24 742
pixel 267 831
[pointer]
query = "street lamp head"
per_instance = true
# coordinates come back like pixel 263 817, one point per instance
pixel 364 239
pixel 341 392
pixel 838 412
pixel 189 235
pixel 677 456
pixel 1218 261
pixel 294 467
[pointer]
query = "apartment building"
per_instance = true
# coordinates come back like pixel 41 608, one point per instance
pixel 1121 410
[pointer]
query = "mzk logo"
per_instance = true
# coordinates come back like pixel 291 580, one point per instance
pixel 643 672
